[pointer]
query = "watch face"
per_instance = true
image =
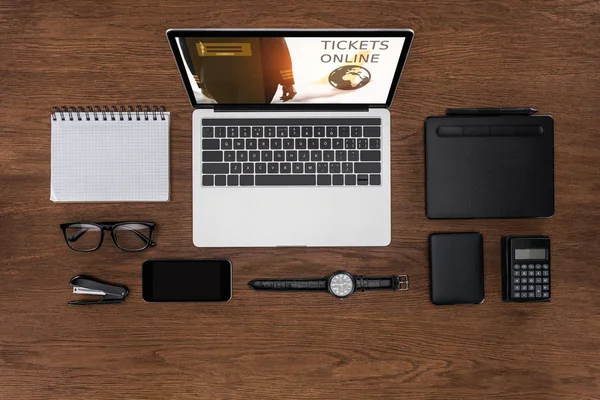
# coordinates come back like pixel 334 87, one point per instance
pixel 341 284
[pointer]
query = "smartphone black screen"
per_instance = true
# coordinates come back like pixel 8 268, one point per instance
pixel 186 280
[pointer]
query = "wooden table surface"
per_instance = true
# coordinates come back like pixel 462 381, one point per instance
pixel 544 54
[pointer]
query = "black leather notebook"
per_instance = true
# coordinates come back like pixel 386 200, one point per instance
pixel 456 261
pixel 489 166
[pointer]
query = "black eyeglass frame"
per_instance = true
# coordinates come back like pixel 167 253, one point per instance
pixel 110 226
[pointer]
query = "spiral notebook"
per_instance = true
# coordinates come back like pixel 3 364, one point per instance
pixel 101 154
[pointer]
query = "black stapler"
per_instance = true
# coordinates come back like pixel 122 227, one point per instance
pixel 87 285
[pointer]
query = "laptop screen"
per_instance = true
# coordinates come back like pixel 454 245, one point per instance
pixel 285 70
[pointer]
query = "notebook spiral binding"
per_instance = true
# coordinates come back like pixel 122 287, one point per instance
pixel 105 113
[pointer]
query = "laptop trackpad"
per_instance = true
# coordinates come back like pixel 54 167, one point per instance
pixel 292 216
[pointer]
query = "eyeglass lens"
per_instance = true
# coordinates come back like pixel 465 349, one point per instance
pixel 83 237
pixel 132 236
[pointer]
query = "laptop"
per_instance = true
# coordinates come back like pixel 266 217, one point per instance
pixel 291 134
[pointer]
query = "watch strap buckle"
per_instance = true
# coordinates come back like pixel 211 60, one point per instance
pixel 401 282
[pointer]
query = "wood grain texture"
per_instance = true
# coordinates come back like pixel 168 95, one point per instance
pixel 275 346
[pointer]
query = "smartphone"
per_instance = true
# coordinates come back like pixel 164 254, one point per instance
pixel 186 280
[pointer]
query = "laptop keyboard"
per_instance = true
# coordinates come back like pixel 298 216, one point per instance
pixel 291 152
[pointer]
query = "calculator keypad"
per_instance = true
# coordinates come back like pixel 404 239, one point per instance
pixel 530 282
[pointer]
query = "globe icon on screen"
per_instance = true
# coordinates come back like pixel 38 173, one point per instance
pixel 349 77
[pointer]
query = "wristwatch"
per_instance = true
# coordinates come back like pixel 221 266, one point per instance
pixel 340 284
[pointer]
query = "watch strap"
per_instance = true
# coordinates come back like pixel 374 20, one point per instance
pixel 394 282
pixel 289 284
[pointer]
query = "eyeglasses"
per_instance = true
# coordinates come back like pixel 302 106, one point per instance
pixel 127 236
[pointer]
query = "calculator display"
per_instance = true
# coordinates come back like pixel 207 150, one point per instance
pixel 530 254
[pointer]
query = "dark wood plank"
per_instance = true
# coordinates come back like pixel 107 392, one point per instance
pixel 387 345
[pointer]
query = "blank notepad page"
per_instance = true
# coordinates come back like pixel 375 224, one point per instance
pixel 106 160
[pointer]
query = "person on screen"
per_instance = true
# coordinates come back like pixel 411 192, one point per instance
pixel 233 70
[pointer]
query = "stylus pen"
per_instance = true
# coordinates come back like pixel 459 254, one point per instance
pixel 491 111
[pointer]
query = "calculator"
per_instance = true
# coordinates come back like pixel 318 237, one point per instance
pixel 526 268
